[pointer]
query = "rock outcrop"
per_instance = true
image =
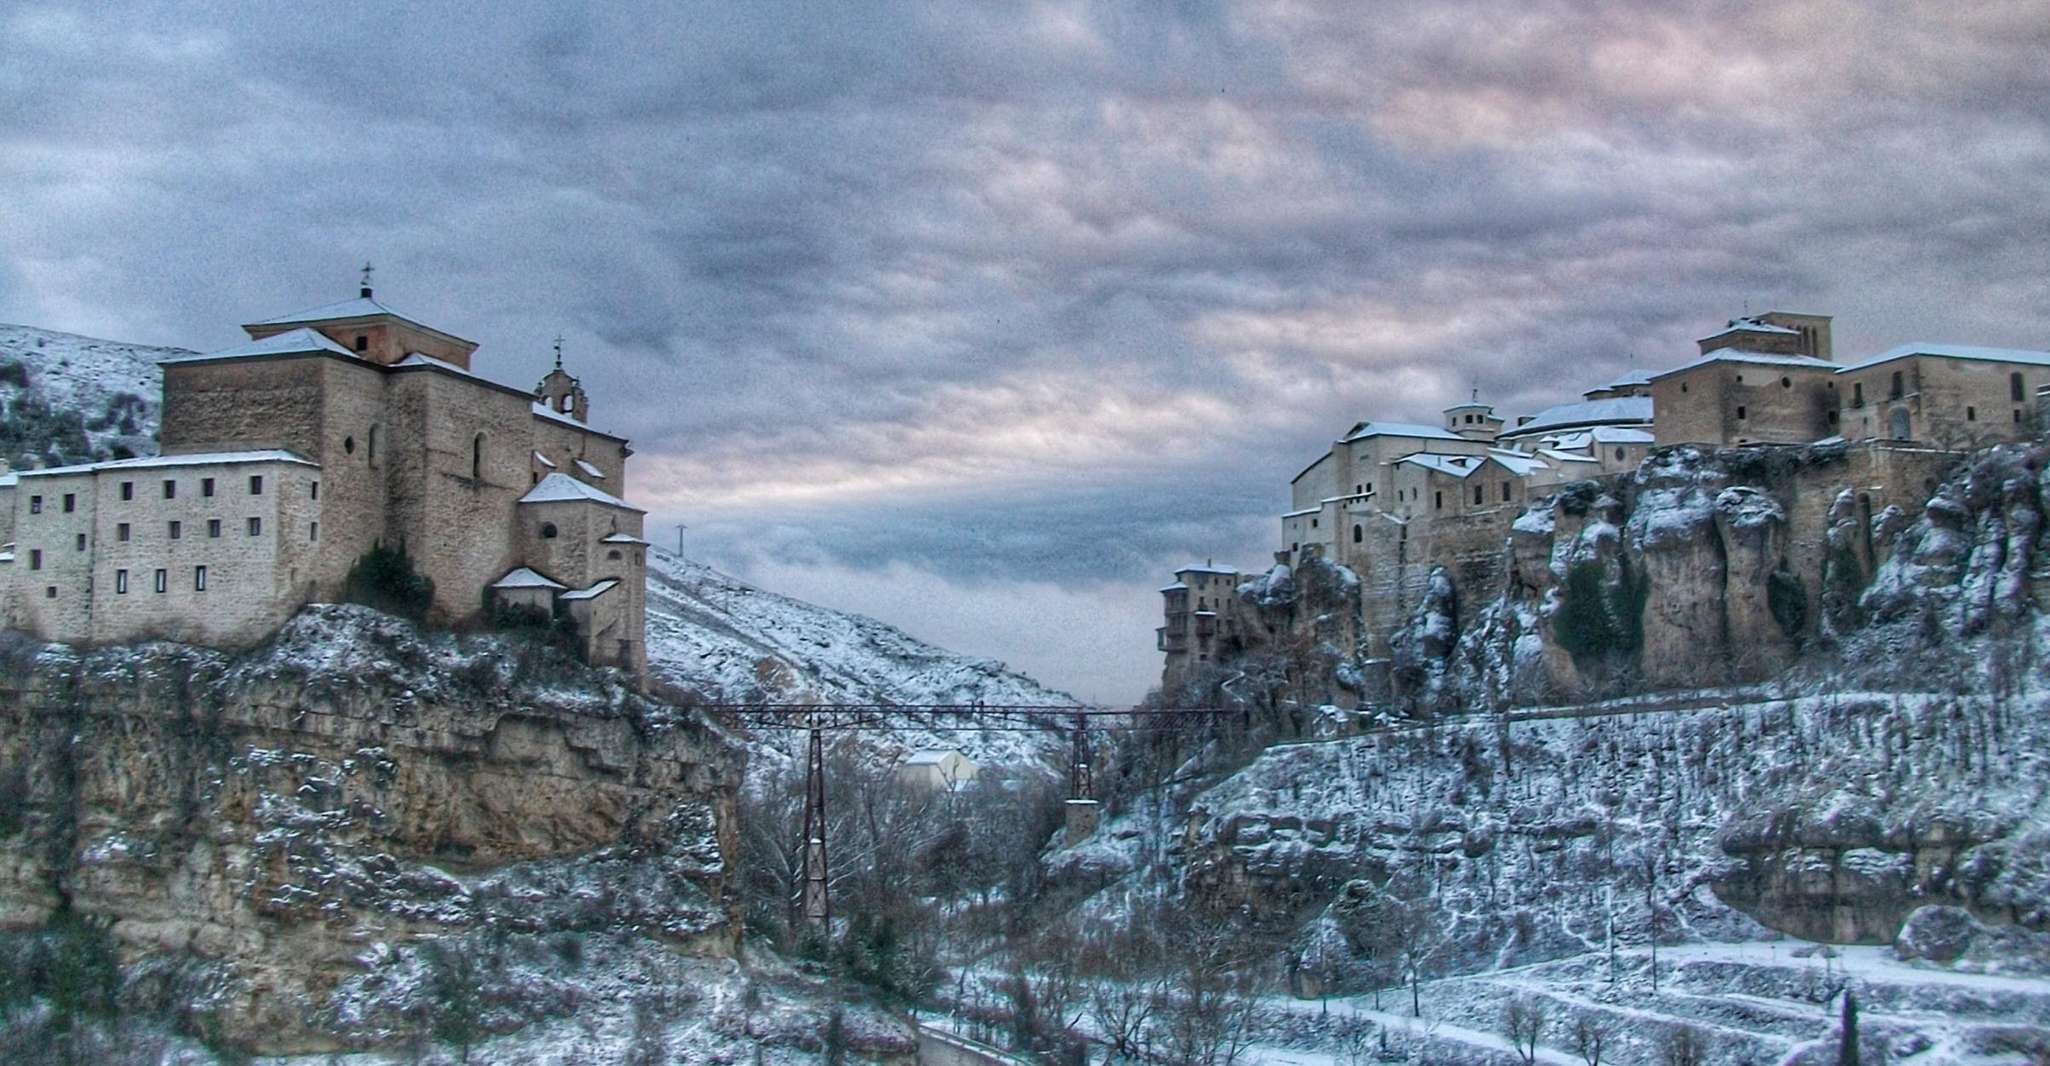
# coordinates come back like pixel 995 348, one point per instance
pixel 295 823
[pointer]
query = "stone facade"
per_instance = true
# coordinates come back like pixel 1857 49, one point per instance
pixel 364 429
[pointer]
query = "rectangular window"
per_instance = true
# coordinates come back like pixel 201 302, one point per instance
pixel 213 528
pixel 256 527
pixel 1505 492
pixel 199 579
pixel 49 592
pixel 1857 394
pixel 81 542
pixel 1740 411
pixel 1476 494
pixel 170 489
pixel 206 486
pixel 128 490
pixel 35 558
pixel 35 505
pixel 121 532
pixel 70 502
pixel 163 580
pixel 2017 389
pixel 121 582
pixel 316 490
pixel 313 531
pixel 256 484
pixel 1438 500
pixel 177 529
pixel 1971 414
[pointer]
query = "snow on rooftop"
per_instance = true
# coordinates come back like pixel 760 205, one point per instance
pixel 160 461
pixel 1363 430
pixel 589 470
pixel 417 359
pixel 1956 351
pixel 562 488
pixel 1740 355
pixel 622 538
pixel 1207 568
pixel 543 460
pixel 541 408
pixel 1751 325
pixel 525 578
pixel 290 342
pixel 592 593
pixel 360 307
pixel 1454 465
pixel 1176 587
pixel 1622 435
pixel 1635 377
pixel 1617 409
pixel 1517 463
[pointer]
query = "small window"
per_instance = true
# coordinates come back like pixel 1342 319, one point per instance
pixel 81 542
pixel 49 592
pixel 362 342
pixel 256 484
pixel 1740 411
pixel 477 457
pixel 1313 523
pixel 1832 418
pixel 121 582
pixel 213 528
pixel 315 486
pixel 1619 455
pixel 348 445
pixel 548 531
pixel 1857 394
pixel 313 531
pixel 1683 386
pixel 177 529
pixel 613 554
pixel 35 558
pixel 1898 389
pixel 70 502
pixel 1786 383
pixel 1438 500
pixel 199 579
pixel 1477 495
pixel 373 445
pixel 1357 533
pixel 2017 389
pixel 163 580
pixel 206 486
pixel 1971 414
pixel 35 505
pixel 255 527
pixel 170 489
pixel 121 532
pixel 1505 492
pixel 128 490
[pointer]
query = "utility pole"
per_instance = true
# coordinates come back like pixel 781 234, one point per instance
pixel 680 527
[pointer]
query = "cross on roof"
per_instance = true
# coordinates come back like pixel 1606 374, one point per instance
pixel 558 351
pixel 367 270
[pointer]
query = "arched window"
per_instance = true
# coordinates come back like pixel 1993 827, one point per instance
pixel 1356 534
pixel 477 456
pixel 547 531
pixel 613 554
pixel 348 445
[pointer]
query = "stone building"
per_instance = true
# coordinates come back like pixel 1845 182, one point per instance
pixel 1769 379
pixel 1202 618
pixel 1947 395
pixel 287 458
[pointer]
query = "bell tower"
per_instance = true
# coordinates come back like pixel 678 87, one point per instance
pixel 562 393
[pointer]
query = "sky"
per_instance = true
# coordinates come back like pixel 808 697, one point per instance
pixel 980 319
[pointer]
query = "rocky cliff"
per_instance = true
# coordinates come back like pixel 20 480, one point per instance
pixel 340 838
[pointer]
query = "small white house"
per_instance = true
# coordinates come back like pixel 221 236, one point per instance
pixel 937 768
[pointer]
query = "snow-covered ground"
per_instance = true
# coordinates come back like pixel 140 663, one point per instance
pixel 114 388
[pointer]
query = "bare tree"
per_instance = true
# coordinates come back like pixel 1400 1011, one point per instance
pixel 1686 1047
pixel 1523 1019
pixel 1589 1037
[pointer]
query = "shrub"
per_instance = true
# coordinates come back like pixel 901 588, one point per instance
pixel 1599 620
pixel 384 578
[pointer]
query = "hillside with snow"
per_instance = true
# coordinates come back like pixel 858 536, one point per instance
pixel 69 399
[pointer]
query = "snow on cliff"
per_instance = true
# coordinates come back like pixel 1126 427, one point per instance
pixel 69 398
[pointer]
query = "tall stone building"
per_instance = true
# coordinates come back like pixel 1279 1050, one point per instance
pixel 284 460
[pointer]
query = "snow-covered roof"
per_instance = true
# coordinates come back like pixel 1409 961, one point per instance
pixel 541 408
pixel 543 460
pixel 1740 355
pixel 1176 587
pixel 1633 378
pixel 1558 456
pixel 1363 430
pixel 290 342
pixel 1454 465
pixel 622 538
pixel 524 578
pixel 1470 405
pixel 1304 511
pixel 589 470
pixel 1622 435
pixel 1955 351
pixel 1207 568
pixel 932 757
pixel 592 593
pixel 1517 463
pixel 1616 409
pixel 562 488
pixel 1751 324
pixel 9 480
pixel 361 307
pixel 416 359
pixel 274 455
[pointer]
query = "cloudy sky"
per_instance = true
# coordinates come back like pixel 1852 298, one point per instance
pixel 981 318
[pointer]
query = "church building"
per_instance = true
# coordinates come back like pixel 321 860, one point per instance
pixel 285 459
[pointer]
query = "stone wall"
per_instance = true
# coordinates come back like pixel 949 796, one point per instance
pixel 1954 403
